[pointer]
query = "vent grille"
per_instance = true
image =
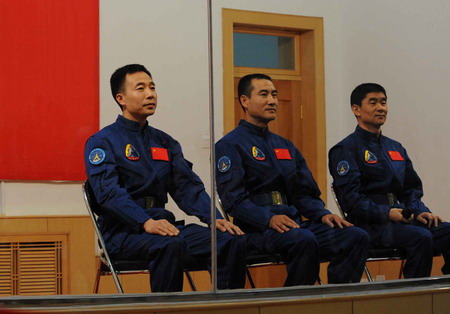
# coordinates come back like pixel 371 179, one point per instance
pixel 31 268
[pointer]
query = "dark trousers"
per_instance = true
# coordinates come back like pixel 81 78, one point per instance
pixel 299 248
pixel 418 241
pixel 346 249
pixel 166 256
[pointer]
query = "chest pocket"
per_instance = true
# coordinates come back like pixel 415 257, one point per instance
pixel 162 168
pixel 399 167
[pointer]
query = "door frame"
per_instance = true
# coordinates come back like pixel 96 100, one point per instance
pixel 312 78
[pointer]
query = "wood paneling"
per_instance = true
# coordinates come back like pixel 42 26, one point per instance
pixel 441 303
pixel 33 264
pixel 22 224
pixel 322 308
pixel 80 256
pixel 422 304
pixel 81 250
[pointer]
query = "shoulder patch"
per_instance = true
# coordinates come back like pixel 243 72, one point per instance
pixel 342 168
pixel 258 154
pixel 97 156
pixel 370 157
pixel 131 153
pixel 224 164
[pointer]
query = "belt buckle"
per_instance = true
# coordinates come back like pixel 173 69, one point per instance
pixel 276 198
pixel 150 201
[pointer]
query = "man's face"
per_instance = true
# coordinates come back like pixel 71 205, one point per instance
pixel 261 107
pixel 138 98
pixel 373 111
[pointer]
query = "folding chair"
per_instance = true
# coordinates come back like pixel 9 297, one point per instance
pixel 110 266
pixel 376 254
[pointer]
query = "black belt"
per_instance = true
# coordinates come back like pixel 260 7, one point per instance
pixel 271 198
pixel 389 198
pixel 152 201
pixel 149 202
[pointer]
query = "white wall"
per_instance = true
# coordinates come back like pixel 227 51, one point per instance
pixel 401 44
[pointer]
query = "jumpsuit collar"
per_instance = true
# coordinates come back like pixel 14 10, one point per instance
pixel 130 125
pixel 263 132
pixel 371 137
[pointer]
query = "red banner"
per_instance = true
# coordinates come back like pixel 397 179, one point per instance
pixel 49 91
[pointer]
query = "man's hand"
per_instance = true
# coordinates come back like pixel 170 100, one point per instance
pixel 225 225
pixel 161 227
pixel 332 219
pixel 282 223
pixel 395 214
pixel 429 219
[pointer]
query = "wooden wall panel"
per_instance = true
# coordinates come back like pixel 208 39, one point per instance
pixel 81 250
pixel 37 264
pixel 251 310
pixel 441 303
pixel 322 308
pixel 395 305
pixel 80 244
pixel 22 225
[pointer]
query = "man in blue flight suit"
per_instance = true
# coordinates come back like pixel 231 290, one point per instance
pixel 377 187
pixel 131 167
pixel 265 184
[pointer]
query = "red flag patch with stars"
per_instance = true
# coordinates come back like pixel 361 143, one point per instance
pixel 395 155
pixel 159 153
pixel 282 153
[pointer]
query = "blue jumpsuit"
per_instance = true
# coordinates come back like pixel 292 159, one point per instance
pixel 366 169
pixel 252 162
pixel 131 171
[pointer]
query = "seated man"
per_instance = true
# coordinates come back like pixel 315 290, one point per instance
pixel 131 167
pixel 377 186
pixel 265 184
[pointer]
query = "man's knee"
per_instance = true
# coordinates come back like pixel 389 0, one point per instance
pixel 170 246
pixel 176 243
pixel 424 237
pixel 303 237
pixel 358 235
pixel 227 243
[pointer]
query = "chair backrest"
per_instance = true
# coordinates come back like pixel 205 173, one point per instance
pixel 93 208
pixel 90 199
pixel 222 211
pixel 341 211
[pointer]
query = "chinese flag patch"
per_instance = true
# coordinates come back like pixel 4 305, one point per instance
pixel 159 153
pixel 395 155
pixel 282 153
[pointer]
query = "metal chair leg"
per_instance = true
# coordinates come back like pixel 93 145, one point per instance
pixel 97 277
pixel 250 279
pixel 191 281
pixel 402 265
pixel 369 277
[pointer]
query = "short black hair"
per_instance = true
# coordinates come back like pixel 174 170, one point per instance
pixel 117 80
pixel 245 85
pixel 360 92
